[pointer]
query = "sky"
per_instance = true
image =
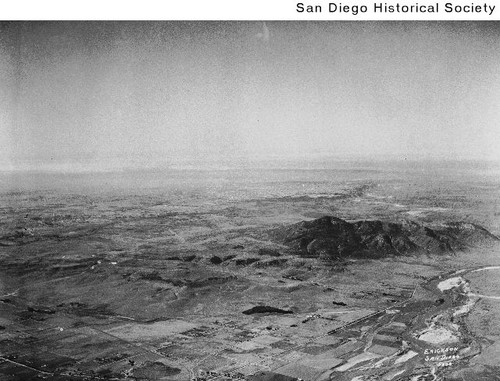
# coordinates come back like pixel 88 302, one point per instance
pixel 97 95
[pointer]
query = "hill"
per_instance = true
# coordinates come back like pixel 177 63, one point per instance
pixel 330 237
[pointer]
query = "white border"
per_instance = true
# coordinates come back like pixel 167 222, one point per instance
pixel 222 10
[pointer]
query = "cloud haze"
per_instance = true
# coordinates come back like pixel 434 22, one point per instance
pixel 77 94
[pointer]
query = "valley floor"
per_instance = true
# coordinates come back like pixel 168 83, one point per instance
pixel 153 285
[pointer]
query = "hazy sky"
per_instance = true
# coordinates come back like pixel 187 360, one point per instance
pixel 92 94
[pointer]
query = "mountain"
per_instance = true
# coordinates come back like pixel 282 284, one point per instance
pixel 330 237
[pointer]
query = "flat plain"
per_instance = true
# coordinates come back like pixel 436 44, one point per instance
pixel 178 274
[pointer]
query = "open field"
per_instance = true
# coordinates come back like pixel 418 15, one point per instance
pixel 174 275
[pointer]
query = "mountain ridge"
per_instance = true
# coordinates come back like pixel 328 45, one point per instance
pixel 331 237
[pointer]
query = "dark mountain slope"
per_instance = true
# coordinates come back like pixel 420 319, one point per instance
pixel 333 238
